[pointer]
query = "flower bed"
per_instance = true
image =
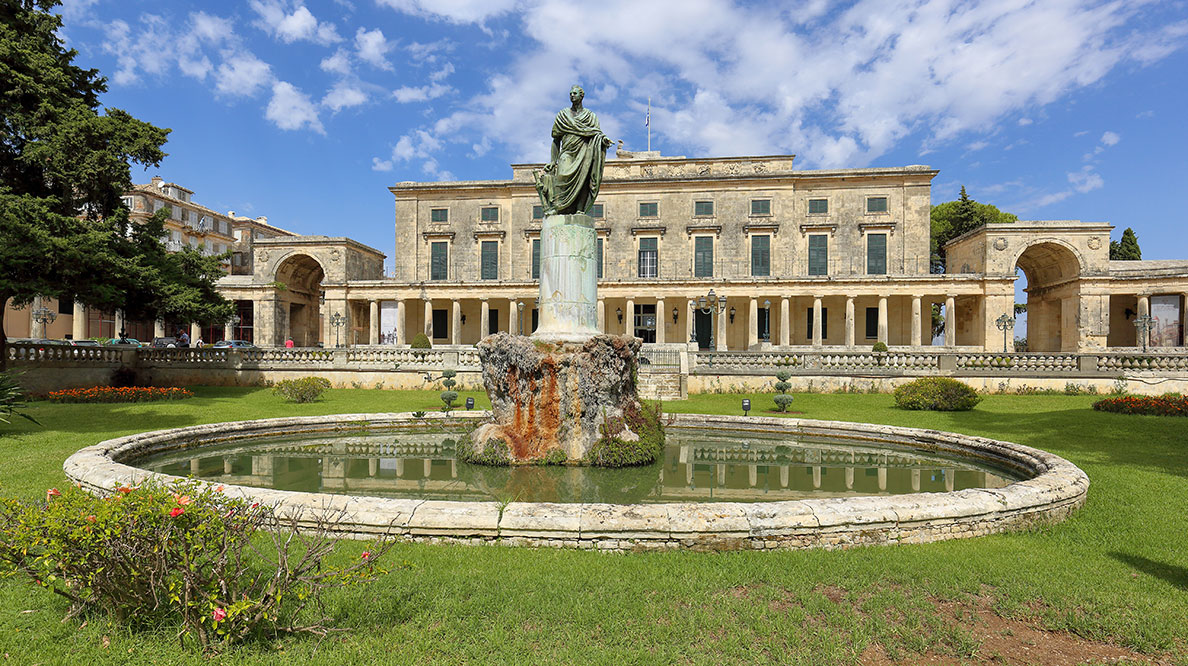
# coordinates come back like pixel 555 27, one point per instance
pixel 120 394
pixel 1159 405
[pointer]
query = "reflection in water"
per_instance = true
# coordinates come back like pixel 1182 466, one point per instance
pixel 730 467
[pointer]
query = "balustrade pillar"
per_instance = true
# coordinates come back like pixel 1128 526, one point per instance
pixel 818 326
pixel 484 316
pixel 661 320
pixel 78 326
pixel 950 321
pixel 455 322
pixel 917 323
pixel 849 321
pixel 401 313
pixel 752 322
pixel 785 323
pixel 883 319
pixel 374 323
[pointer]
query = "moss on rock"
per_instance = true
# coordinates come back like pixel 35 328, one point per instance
pixel 636 439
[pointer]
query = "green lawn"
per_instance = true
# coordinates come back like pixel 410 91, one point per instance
pixel 1116 571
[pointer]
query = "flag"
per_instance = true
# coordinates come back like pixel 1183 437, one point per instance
pixel 648 119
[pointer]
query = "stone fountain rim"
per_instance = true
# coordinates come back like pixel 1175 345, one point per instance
pixel 1055 489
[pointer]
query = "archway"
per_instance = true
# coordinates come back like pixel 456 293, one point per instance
pixel 1051 272
pixel 299 290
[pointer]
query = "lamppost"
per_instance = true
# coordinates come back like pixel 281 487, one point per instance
pixel 711 304
pixel 337 321
pixel 234 323
pixel 767 320
pixel 45 316
pixel 1144 324
pixel 520 316
pixel 1003 323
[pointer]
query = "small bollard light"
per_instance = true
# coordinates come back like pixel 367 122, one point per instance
pixel 469 403
pixel 746 406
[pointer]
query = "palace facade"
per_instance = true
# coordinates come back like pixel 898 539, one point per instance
pixel 739 253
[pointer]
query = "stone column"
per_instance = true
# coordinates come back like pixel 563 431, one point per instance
pixel 374 323
pixel 36 328
pixel 1144 305
pixel 401 313
pixel 917 323
pixel 159 328
pixel 1183 319
pixel 950 321
pixel 119 323
pixel 195 332
pixel 484 315
pixel 883 319
pixel 817 323
pixel 785 323
pixel 661 320
pixel 513 317
pixel 455 322
pixel 601 314
pixel 428 323
pixel 78 326
pixel 228 330
pixel 690 314
pixel 849 321
pixel 752 322
pixel 720 334
pixel 264 320
pixel 629 317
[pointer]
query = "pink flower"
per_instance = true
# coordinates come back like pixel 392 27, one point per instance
pixel 366 555
pixel 177 511
pixel 219 614
pixel 52 493
pixel 182 500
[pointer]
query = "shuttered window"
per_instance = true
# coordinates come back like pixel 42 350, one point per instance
pixel 535 258
pixel 818 255
pixel 761 256
pixel 439 214
pixel 876 204
pixel 489 269
pixel 703 256
pixel 439 254
pixel 538 212
pixel 648 257
pixel 818 206
pixel 649 210
pixel 760 206
pixel 489 214
pixel 876 254
pixel 597 211
pixel 703 208
pixel 598 258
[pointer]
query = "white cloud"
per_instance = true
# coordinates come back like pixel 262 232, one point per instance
pixel 339 63
pixel 242 74
pixel 298 25
pixel 1024 122
pixel 344 95
pixel 977 145
pixel 372 48
pixel 1110 138
pixel 1085 180
pixel 291 109
pixel 442 73
pixel 211 29
pixel 456 11
pixel 406 94
pixel 381 165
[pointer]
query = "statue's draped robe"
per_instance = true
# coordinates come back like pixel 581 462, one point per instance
pixel 579 153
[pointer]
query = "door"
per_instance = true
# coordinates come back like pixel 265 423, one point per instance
pixel 703 322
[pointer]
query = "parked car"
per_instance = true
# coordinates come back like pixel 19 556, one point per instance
pixel 164 343
pixel 124 342
pixel 83 343
pixel 233 344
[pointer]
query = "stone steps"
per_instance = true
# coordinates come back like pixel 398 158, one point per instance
pixel 662 386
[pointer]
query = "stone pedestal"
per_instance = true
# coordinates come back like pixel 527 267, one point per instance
pixel 568 279
pixel 554 396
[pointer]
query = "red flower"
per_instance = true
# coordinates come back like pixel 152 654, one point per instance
pixel 125 489
pixel 52 493
pixel 177 511
pixel 219 614
pixel 366 555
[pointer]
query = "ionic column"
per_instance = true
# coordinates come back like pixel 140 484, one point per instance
pixel 374 323
pixel 78 326
pixel 752 323
pixel 602 315
pixel 1144 305
pixel 950 321
pixel 661 320
pixel 689 316
pixel 484 315
pixel 817 323
pixel 849 321
pixel 513 317
pixel 159 328
pixel 195 331
pixel 456 322
pixel 785 323
pixel 883 319
pixel 916 322
pixel 720 334
pixel 401 313
pixel 428 325
pixel 629 317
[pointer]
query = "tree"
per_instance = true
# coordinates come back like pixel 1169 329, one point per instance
pixel 64 165
pixel 955 218
pixel 1126 249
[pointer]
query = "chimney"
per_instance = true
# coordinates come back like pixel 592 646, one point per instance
pixel 261 219
pixel 157 180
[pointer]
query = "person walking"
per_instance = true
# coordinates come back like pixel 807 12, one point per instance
pixel 289 343
pixel 199 342
pixel 183 339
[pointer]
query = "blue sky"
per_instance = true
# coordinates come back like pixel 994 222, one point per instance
pixel 307 110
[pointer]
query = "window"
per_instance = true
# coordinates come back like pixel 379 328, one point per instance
pixel 439 214
pixel 703 256
pixel 649 209
pixel 158 205
pixel 127 202
pixel 876 204
pixel 876 254
pixel 761 256
pixel 538 212
pixel 818 254
pixel 649 257
pixel 535 258
pixel 441 324
pixel 489 214
pixel 439 256
pixel 598 258
pixel 489 264
pixel 703 209
pixel 185 215
pixel 175 212
pixel 818 206
pixel 760 206
pixel 66 305
pixel 597 211
pixel 824 324
pixel 872 323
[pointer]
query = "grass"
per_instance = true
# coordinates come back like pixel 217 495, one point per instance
pixel 1116 571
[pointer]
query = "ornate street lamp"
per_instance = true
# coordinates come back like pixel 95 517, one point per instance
pixel 767 320
pixel 45 316
pixel 710 303
pixel 1003 323
pixel 1144 324
pixel 337 321
pixel 520 316
pixel 234 320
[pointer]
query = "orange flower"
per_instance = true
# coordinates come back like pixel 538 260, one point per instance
pixel 177 511
pixel 182 500
pixel 52 493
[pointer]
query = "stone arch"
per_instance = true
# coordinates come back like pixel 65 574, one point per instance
pixel 298 303
pixel 1053 269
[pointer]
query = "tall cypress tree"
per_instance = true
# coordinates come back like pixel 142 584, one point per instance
pixel 1126 249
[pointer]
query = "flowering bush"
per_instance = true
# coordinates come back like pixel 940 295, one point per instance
pixel 306 389
pixel 156 554
pixel 1168 404
pixel 940 394
pixel 120 394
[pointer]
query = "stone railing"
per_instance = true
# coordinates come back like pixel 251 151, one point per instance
pixel 1033 363
pixel 35 354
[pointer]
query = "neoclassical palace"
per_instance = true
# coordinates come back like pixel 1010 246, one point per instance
pixel 738 253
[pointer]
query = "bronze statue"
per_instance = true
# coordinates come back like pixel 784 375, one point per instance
pixel 569 183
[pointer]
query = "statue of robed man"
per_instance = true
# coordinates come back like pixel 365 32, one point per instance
pixel 569 183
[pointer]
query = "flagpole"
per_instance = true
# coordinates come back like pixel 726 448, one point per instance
pixel 649 124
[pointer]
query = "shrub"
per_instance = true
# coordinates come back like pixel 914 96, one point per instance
pixel 120 394
pixel 421 341
pixel 12 399
pixel 879 347
pixel 185 553
pixel 782 399
pixel 611 450
pixel 448 398
pixel 306 389
pixel 1168 404
pixel 937 394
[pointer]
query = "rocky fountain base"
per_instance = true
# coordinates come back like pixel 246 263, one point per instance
pixel 563 403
